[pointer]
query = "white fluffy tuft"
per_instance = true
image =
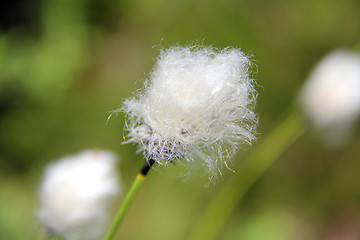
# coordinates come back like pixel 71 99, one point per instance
pixel 332 93
pixel 197 105
pixel 75 195
pixel 331 96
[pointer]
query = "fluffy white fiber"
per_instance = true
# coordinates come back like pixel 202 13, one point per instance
pixel 332 93
pixel 197 106
pixel 76 193
pixel 331 96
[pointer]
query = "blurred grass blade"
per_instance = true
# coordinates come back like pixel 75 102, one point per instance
pixel 224 203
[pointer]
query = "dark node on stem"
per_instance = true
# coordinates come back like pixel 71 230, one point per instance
pixel 147 166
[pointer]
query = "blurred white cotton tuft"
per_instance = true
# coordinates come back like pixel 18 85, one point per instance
pixel 76 193
pixel 331 96
pixel 197 105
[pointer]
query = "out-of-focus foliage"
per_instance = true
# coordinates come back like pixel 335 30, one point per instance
pixel 65 64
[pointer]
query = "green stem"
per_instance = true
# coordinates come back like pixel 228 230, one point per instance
pixel 139 180
pixel 220 209
pixel 357 47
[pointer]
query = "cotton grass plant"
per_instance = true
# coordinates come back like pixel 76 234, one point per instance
pixel 329 100
pixel 76 195
pixel 196 107
pixel 331 96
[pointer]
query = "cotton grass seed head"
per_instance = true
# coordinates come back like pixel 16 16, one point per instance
pixel 331 96
pixel 197 106
pixel 332 92
pixel 76 193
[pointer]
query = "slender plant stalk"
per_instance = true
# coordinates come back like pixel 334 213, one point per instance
pixel 218 212
pixel 139 180
pixel 357 47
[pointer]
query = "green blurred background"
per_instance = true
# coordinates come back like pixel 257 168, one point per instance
pixel 64 64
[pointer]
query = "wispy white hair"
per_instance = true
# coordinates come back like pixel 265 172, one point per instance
pixel 197 105
pixel 331 96
pixel 76 193
pixel 332 92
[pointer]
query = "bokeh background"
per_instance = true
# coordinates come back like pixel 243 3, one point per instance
pixel 65 64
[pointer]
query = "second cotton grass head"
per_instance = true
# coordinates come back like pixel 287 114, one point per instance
pixel 331 96
pixel 77 193
pixel 197 106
